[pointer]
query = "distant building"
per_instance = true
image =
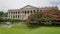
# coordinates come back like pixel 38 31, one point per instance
pixel 24 12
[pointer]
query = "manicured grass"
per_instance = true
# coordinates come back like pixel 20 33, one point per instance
pixel 22 29
pixel 1 24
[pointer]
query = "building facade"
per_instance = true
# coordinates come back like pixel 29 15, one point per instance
pixel 24 12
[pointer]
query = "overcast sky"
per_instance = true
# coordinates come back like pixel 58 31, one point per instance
pixel 14 4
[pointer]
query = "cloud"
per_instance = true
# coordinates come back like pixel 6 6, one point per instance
pixel 54 2
pixel 13 4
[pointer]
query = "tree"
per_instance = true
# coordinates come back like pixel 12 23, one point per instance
pixel 47 19
pixel 34 19
pixel 39 18
pixel 6 14
pixel 1 13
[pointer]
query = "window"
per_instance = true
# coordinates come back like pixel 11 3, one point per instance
pixel 25 12
pixel 22 17
pixel 13 16
pixel 13 12
pixel 31 11
pixel 9 13
pixel 22 11
pixel 34 11
pixel 28 11
pixel 18 16
pixel 18 12
pixel 38 10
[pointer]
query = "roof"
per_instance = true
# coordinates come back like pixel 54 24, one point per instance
pixel 28 6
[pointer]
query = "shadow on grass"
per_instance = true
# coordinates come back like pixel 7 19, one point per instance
pixel 34 27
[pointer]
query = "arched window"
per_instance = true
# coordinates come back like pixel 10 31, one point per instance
pixel 38 10
pixel 34 11
pixel 16 16
pixel 28 11
pixel 25 12
pixel 18 12
pixel 22 11
pixel 31 11
pixel 13 16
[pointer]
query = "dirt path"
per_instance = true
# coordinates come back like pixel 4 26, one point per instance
pixel 6 26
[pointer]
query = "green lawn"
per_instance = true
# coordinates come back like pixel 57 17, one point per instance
pixel 22 29
pixel 1 24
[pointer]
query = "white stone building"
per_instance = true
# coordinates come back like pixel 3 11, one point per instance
pixel 24 12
